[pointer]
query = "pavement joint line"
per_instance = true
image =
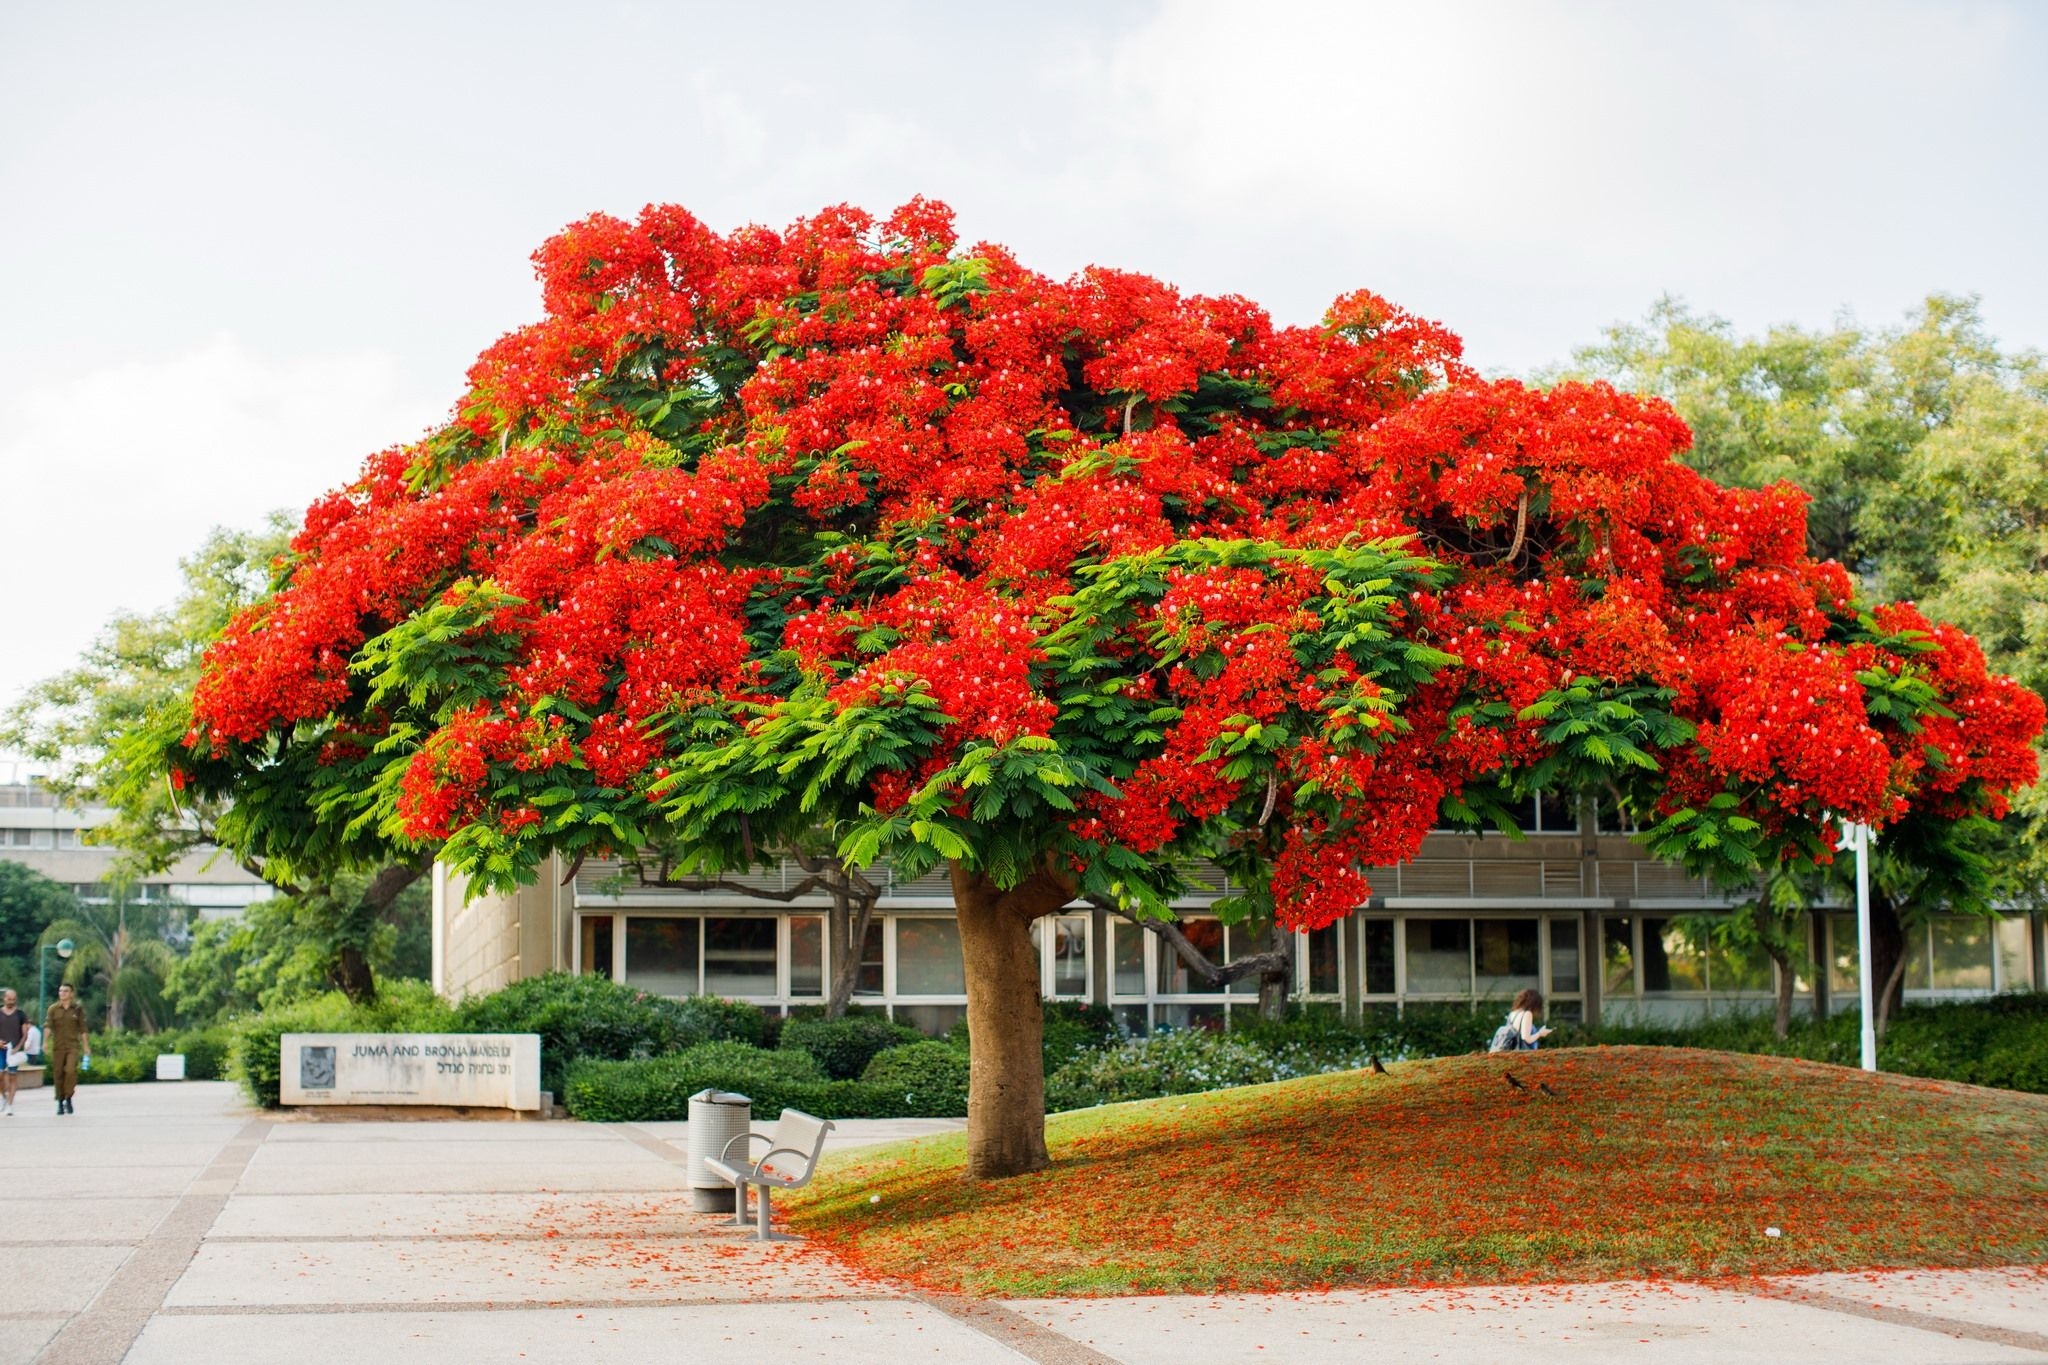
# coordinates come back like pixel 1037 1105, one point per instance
pixel 103 1331
pixel 1903 1317
pixel 247 1310
pixel 647 1141
pixel 37 1244
pixel 1007 1327
pixel 725 1232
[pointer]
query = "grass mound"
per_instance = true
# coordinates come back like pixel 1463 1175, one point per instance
pixel 1642 1162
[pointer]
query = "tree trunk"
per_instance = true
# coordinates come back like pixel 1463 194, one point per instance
pixel 1005 1020
pixel 1887 957
pixel 352 975
pixel 1893 987
pixel 851 914
pixel 1782 1024
pixel 1274 983
pixel 351 967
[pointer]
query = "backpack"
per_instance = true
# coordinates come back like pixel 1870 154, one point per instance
pixel 1506 1038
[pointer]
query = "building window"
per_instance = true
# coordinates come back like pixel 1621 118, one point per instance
pixel 70 838
pixel 807 955
pixel 662 955
pixel 596 948
pixel 928 957
pixel 1379 956
pixel 1507 956
pixel 1670 961
pixel 1564 956
pixel 1439 957
pixel 1962 954
pixel 1208 938
pixel 2015 955
pixel 1731 968
pixel 868 981
pixel 1323 961
pixel 739 956
pixel 1128 943
pixel 1067 956
pixel 16 838
pixel 1618 956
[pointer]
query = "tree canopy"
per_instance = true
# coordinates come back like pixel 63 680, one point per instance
pixel 1063 583
pixel 1922 446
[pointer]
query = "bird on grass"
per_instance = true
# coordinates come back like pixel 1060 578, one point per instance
pixel 1377 1069
pixel 1544 1086
pixel 1513 1083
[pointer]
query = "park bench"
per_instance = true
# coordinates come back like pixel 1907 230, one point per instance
pixel 788 1164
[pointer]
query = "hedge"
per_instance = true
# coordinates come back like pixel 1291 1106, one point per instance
pixel 659 1089
pixel 401 1007
pixel 123 1057
pixel 843 1047
pixel 931 1078
pixel 582 1016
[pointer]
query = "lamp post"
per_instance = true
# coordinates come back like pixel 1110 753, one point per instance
pixel 1859 837
pixel 65 947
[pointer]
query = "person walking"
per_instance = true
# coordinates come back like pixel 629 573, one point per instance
pixel 66 1043
pixel 1520 1033
pixel 14 1029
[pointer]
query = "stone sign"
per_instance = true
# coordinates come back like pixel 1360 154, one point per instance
pixel 483 1070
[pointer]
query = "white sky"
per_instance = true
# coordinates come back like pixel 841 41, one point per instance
pixel 242 246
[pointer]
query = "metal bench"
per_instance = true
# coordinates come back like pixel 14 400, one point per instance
pixel 788 1164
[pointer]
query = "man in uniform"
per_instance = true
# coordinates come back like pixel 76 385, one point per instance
pixel 64 1042
pixel 14 1039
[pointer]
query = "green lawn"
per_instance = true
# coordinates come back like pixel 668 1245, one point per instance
pixel 1645 1162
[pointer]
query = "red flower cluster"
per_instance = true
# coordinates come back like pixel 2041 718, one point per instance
pixel 854 457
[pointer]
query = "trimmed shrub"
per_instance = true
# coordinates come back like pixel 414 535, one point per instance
pixel 844 1047
pixel 931 1077
pixel 1180 1062
pixel 713 1019
pixel 400 1007
pixel 581 1017
pixel 124 1057
pixel 1071 1028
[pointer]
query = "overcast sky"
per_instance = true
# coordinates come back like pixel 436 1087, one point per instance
pixel 242 246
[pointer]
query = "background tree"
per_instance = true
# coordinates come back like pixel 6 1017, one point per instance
pixel 100 730
pixel 281 951
pixel 1065 586
pixel 29 903
pixel 119 959
pixel 1924 450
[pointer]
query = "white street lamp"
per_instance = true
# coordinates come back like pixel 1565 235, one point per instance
pixel 1859 838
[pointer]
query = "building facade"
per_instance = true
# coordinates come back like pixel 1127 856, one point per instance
pixel 1576 911
pixel 37 831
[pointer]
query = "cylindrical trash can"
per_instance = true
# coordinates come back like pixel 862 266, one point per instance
pixel 716 1118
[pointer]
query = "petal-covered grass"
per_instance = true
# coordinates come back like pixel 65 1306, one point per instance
pixel 1644 1162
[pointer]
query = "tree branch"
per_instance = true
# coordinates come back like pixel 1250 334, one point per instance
pixel 1253 964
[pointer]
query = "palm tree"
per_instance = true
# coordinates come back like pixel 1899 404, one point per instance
pixel 120 950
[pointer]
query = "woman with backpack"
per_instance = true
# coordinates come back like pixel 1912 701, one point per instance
pixel 1520 1032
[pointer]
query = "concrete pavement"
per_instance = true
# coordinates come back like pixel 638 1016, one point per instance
pixel 166 1224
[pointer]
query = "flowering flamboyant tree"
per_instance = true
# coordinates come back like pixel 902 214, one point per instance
pixel 1062 583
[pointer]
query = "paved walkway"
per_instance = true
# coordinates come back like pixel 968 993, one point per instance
pixel 167 1223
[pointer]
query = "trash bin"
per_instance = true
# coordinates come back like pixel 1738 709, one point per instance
pixel 716 1118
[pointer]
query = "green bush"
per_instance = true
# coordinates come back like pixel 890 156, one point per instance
pixel 1071 1028
pixel 713 1019
pixel 401 1007
pixel 844 1047
pixel 659 1088
pixel 580 1016
pixel 125 1057
pixel 931 1077
pixel 1180 1062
